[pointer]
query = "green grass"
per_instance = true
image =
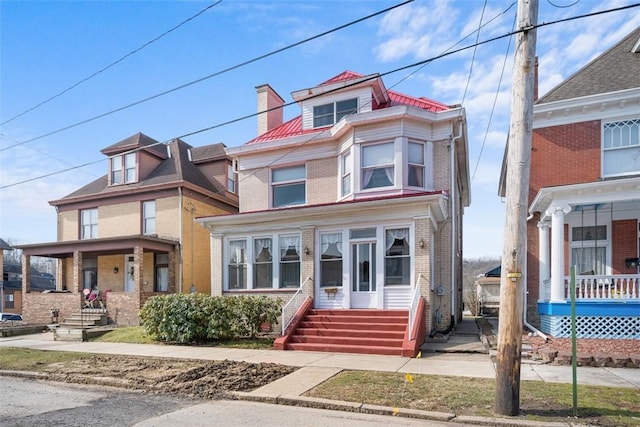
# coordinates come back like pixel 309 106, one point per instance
pixel 541 401
pixel 137 335
pixel 25 359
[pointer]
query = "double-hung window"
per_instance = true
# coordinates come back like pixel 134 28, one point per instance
pixel 397 260
pixel 415 165
pixel 288 186
pixel 149 217
pixel 289 261
pixel 378 165
pixel 232 178
pixel 621 147
pixel 589 249
pixel 123 169
pixel 162 273
pixel 89 223
pixel 237 251
pixel 329 114
pixel 262 263
pixel 330 259
pixel 345 168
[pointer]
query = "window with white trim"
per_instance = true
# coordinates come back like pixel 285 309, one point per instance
pixel 330 259
pixel 415 165
pixel 289 261
pixel 288 186
pixel 346 166
pixel 232 179
pixel 377 165
pixel 329 114
pixel 126 163
pixel 621 147
pixel 89 223
pixel 589 249
pixel 262 263
pixel 397 259
pixel 237 269
pixel 149 217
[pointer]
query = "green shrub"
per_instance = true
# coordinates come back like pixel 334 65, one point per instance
pixel 188 318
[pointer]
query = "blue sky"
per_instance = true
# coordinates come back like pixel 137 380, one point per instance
pixel 48 46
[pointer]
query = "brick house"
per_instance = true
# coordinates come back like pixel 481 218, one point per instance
pixel 356 203
pixel 131 232
pixel 584 199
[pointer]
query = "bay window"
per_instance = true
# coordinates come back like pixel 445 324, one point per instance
pixel 415 164
pixel 288 186
pixel 377 165
pixel 345 168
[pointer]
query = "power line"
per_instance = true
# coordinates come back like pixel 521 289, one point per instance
pixel 419 63
pixel 217 73
pixel 102 70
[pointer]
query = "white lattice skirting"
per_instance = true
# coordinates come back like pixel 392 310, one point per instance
pixel 609 327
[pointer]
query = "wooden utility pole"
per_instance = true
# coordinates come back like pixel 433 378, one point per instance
pixel 514 255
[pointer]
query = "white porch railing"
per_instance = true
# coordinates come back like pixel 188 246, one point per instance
pixel 291 307
pixel 413 308
pixel 601 287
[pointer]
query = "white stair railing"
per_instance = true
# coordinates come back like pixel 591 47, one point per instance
pixel 291 307
pixel 413 309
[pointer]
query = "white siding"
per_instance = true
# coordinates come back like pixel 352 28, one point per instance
pixel 323 300
pixel 397 297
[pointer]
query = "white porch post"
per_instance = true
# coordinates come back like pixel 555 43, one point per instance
pixel 557 251
pixel 544 272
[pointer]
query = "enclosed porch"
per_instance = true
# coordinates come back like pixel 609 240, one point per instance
pixel 593 227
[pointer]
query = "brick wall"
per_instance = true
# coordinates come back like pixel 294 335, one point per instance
pixel 625 237
pixel 36 307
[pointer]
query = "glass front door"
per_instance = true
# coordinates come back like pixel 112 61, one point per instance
pixel 363 275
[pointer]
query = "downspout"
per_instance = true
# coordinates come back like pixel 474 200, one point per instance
pixel 454 240
pixel 180 207
pixel 526 292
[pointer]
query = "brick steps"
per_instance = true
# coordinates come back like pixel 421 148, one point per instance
pixel 351 331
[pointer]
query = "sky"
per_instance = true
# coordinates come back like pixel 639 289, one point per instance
pixel 49 47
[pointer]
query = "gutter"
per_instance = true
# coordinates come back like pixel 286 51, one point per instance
pixel 454 219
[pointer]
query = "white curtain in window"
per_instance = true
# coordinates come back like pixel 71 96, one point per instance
pixel 397 234
pixel 367 174
pixel 333 241
pixel 388 171
pixel 236 251
pixel 287 242
pixel 260 245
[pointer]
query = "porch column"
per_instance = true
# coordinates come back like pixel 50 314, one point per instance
pixel 26 274
pixel 544 273
pixel 557 213
pixel 77 271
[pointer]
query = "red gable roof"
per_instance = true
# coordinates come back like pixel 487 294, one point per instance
pixel 294 126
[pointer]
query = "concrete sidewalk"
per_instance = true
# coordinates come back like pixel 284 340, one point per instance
pixel 466 361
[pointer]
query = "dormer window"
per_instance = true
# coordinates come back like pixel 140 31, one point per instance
pixel 123 169
pixel 329 114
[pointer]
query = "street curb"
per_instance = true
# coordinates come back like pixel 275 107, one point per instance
pixel 363 408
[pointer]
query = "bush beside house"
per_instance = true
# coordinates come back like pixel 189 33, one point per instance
pixel 188 318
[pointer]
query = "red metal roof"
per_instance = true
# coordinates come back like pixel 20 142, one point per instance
pixel 294 126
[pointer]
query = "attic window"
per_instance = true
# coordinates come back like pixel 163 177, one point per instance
pixel 123 169
pixel 636 47
pixel 328 114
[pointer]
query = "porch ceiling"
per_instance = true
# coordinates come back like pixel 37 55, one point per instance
pixel 608 191
pixel 104 246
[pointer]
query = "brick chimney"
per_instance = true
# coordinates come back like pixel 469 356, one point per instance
pixel 268 101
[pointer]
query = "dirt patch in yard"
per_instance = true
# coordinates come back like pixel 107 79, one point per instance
pixel 209 380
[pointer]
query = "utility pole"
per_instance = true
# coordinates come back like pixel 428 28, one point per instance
pixel 514 255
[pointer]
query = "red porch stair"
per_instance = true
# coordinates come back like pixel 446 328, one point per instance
pixel 350 331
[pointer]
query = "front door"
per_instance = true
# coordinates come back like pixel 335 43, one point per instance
pixel 363 275
pixel 129 282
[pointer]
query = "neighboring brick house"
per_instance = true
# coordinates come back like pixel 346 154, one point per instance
pixel 131 232
pixel 357 202
pixel 584 198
